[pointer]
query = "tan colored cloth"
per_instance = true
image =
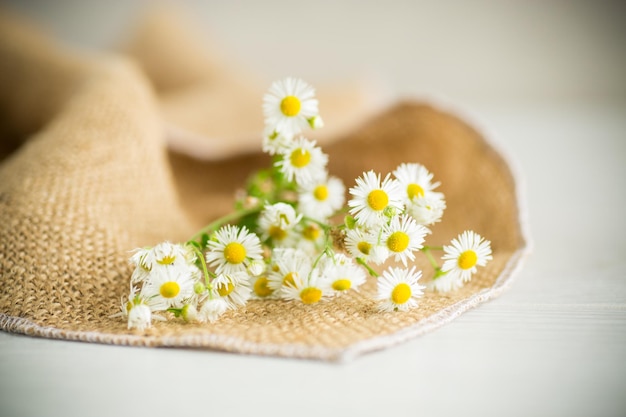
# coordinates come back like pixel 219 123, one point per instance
pixel 85 177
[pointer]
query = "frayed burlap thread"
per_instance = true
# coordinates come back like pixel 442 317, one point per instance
pixel 87 178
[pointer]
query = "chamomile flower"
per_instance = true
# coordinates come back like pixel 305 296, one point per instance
pixel 466 252
pixel 342 275
pixel 274 142
pixel 233 249
pixel 308 289
pixel 168 288
pixel 403 236
pixel 312 237
pixel 303 162
pixel 163 256
pixel 233 288
pixel 415 181
pixel 321 199
pixel 290 265
pixel 399 289
pixel 446 282
pixel 277 222
pixel 261 289
pixel 290 106
pixel 366 245
pixel 212 309
pixel 139 315
pixel 372 200
pixel 427 210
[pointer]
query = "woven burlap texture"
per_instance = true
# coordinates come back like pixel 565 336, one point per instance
pixel 85 177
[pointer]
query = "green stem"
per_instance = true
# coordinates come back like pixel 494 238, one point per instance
pixel 430 257
pixel 226 219
pixel 317 260
pixel 432 247
pixel 205 270
pixel 362 262
pixel 177 311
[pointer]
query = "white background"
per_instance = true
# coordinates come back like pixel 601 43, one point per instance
pixel 547 79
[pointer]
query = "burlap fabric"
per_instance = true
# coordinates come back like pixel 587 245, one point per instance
pixel 85 177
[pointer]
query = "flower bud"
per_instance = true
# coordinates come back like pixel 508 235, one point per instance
pixel 389 211
pixel 189 313
pixel 350 222
pixel 316 122
pixel 256 267
pixel 199 288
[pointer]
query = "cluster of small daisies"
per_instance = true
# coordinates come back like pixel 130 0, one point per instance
pixel 281 242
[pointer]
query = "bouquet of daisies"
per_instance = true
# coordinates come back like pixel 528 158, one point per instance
pixel 292 237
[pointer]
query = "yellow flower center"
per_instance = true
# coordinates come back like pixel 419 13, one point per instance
pixel 398 241
pixel 364 247
pixel 377 200
pixel 467 259
pixel 414 190
pixel 300 158
pixel 310 295
pixel 277 233
pixel 170 289
pixel 320 193
pixel 401 293
pixel 225 289
pixel 290 106
pixel 234 253
pixel 342 284
pixel 288 279
pixel 261 288
pixel 311 232
pixel 167 260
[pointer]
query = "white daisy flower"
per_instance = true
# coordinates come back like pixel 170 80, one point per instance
pixel 447 282
pixel 273 142
pixel 261 289
pixel 277 222
pixel 342 275
pixel 466 252
pixel 212 309
pixel 415 181
pixel 366 245
pixel 321 199
pixel 403 236
pixel 168 288
pixel 372 200
pixel 233 249
pixel 303 162
pixel 427 210
pixel 233 288
pixel 312 238
pixel 309 289
pixel 290 106
pixel 161 257
pixel 290 265
pixel 139 315
pixel 398 289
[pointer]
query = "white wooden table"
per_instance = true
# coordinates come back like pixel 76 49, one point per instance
pixel 554 344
